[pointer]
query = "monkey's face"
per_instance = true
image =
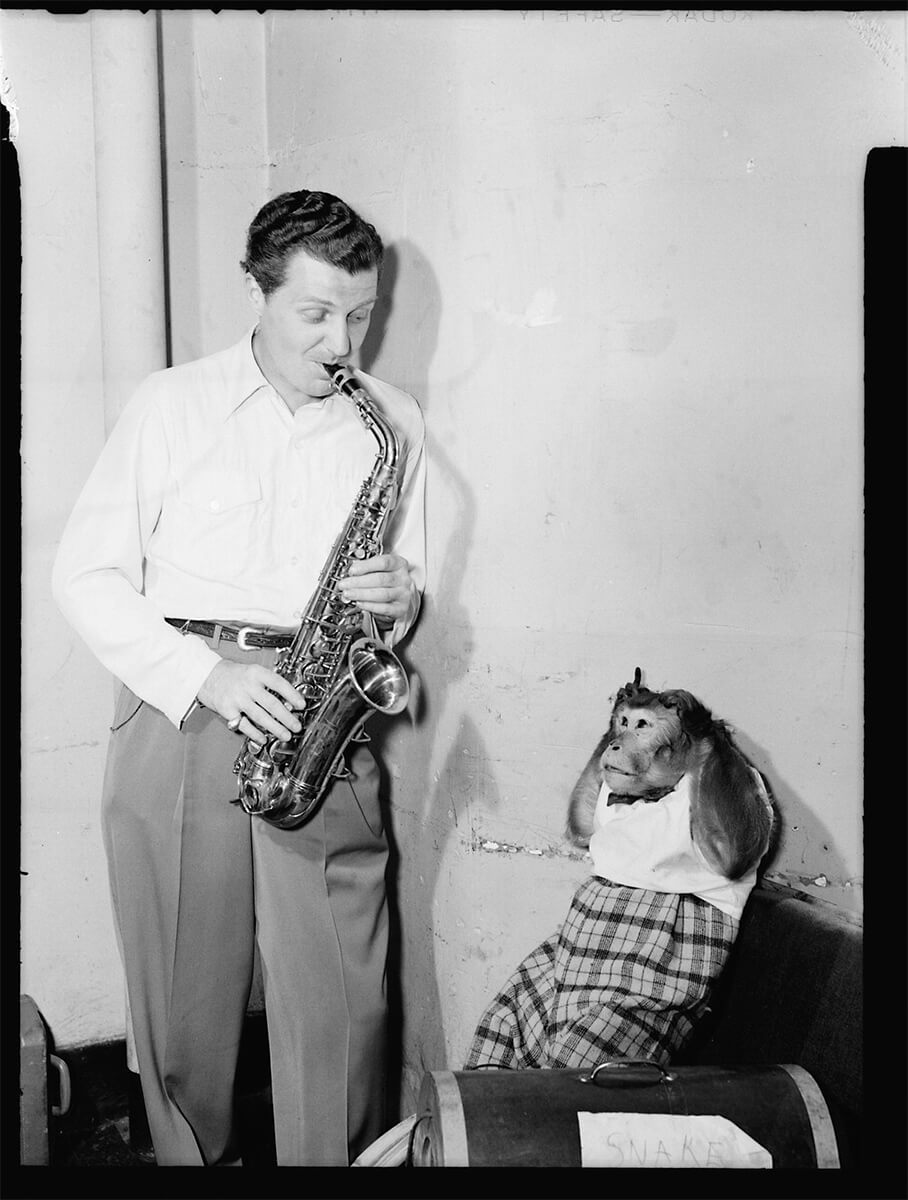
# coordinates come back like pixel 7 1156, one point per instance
pixel 645 750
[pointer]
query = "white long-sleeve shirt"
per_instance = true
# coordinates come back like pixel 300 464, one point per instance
pixel 212 501
pixel 649 845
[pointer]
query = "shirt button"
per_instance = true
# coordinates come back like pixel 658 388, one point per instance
pixel 214 505
pixel 294 501
pixel 294 561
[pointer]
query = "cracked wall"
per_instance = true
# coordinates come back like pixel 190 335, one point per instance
pixel 641 370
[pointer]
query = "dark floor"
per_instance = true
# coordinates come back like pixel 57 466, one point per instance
pixel 105 1137
pixel 105 1124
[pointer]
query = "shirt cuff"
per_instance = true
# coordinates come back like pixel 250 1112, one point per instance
pixel 401 627
pixel 200 662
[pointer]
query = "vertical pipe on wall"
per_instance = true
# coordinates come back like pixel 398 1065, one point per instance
pixel 130 213
pixel 124 58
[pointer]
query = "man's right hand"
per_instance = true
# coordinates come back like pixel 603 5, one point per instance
pixel 258 696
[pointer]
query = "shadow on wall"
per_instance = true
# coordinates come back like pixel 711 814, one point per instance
pixel 794 817
pixel 442 650
pixel 381 314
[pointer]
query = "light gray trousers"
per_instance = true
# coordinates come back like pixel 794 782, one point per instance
pixel 195 883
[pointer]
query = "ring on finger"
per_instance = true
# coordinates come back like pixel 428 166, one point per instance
pixel 234 724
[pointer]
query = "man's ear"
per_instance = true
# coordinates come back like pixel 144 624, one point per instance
pixel 254 294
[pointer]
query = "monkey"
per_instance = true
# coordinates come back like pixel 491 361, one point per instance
pixel 676 822
pixel 655 738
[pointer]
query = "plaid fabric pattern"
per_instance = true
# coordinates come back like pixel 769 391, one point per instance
pixel 627 975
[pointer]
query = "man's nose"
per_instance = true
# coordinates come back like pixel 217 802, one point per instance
pixel 337 339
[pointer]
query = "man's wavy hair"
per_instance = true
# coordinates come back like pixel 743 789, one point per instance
pixel 317 222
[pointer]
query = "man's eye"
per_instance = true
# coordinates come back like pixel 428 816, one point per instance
pixel 357 318
pixel 313 316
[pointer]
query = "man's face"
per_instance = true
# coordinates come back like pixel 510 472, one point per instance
pixel 319 314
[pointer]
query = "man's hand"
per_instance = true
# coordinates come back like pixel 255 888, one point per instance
pixel 380 586
pixel 258 696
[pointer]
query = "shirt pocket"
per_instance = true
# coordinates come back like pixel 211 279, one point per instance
pixel 221 517
pixel 219 493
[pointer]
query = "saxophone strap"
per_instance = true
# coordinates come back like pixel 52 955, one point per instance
pixel 247 637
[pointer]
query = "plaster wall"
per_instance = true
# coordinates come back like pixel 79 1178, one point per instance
pixel 67 947
pixel 624 281
pixel 628 294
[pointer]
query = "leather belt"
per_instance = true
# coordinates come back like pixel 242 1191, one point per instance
pixel 247 637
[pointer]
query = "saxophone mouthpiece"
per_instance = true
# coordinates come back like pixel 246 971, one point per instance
pixel 345 382
pixel 340 375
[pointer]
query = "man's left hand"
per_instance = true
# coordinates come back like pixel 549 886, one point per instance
pixel 380 586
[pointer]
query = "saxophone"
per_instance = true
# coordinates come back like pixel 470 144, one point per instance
pixel 344 674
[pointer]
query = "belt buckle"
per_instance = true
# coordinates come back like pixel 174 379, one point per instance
pixel 242 634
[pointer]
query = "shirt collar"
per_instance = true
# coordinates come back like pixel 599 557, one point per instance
pixel 244 374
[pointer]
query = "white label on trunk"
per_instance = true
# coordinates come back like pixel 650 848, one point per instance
pixel 623 1139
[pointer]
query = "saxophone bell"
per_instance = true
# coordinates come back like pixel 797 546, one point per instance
pixel 286 793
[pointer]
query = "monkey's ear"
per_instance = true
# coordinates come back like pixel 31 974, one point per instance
pixel 731 815
pixel 584 797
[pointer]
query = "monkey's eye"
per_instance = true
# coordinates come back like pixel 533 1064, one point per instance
pixel 624 722
pixel 641 724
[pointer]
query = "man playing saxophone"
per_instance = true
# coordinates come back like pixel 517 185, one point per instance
pixel 186 566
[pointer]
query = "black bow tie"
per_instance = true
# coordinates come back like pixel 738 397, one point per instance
pixel 623 798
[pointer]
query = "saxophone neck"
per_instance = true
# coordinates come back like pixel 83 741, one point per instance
pixel 346 384
pixel 388 449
